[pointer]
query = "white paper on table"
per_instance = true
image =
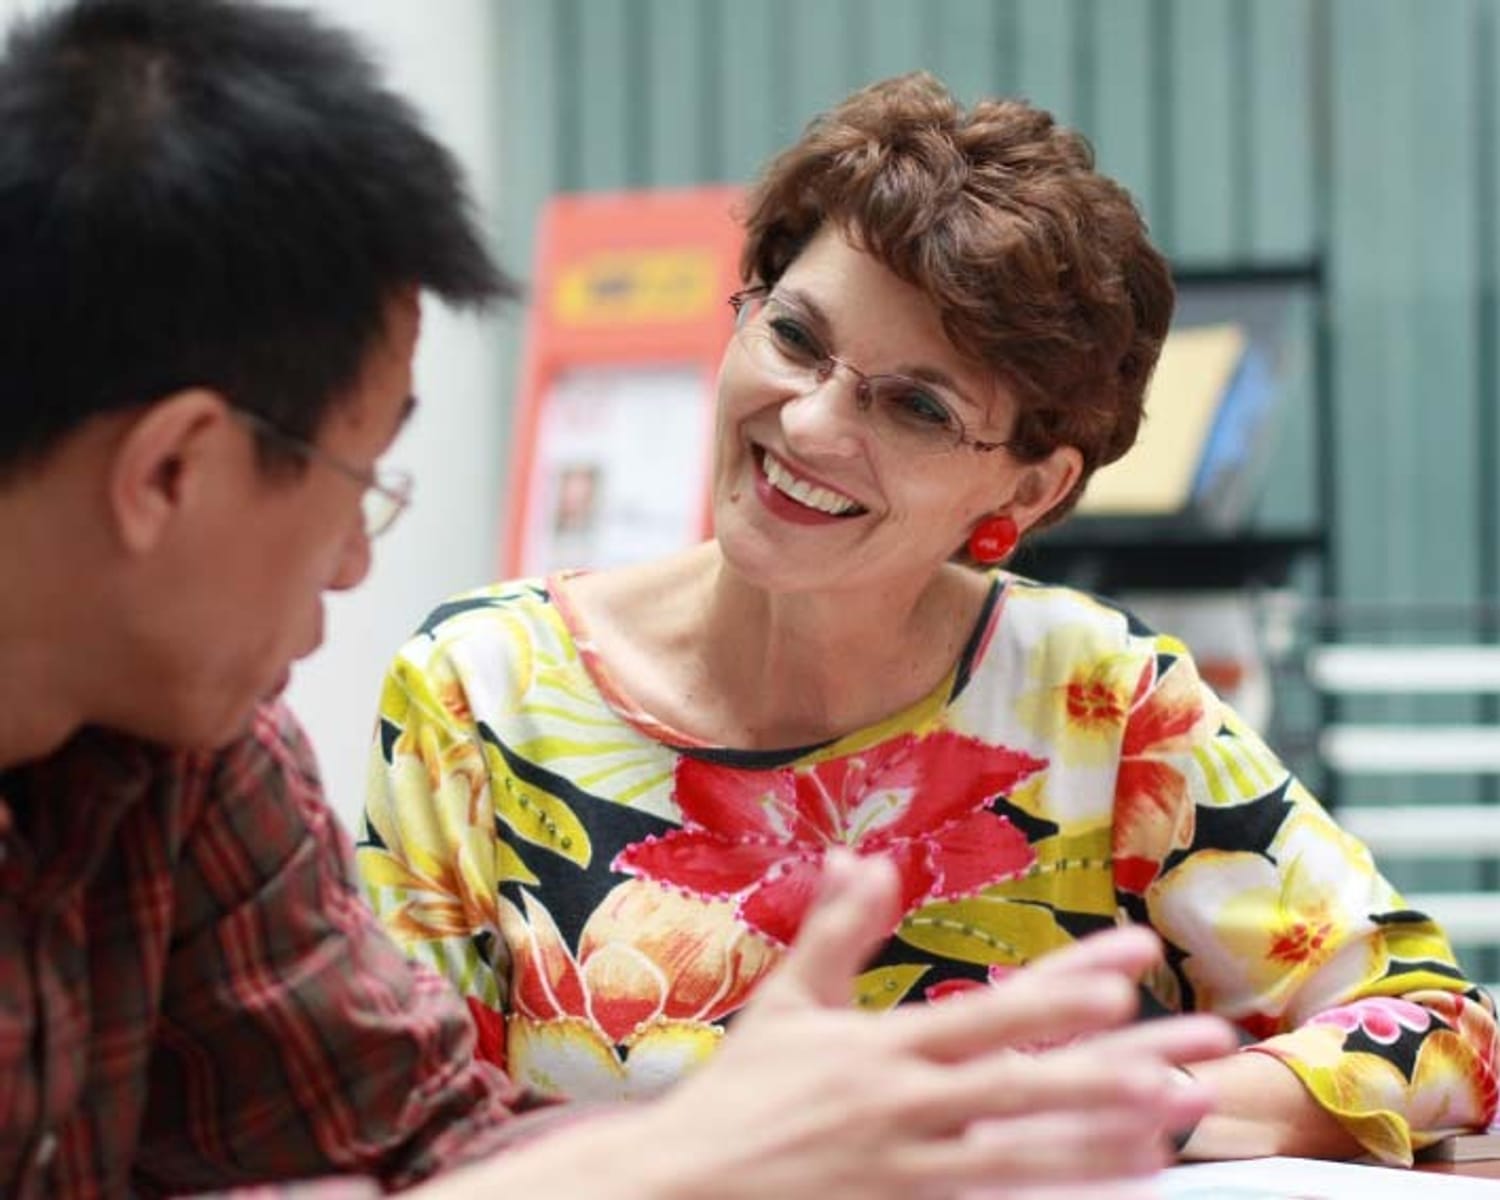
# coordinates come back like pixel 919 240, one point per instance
pixel 1311 1179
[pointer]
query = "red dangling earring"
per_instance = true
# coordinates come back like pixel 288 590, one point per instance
pixel 993 538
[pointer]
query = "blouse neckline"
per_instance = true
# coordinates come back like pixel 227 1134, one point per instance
pixel 616 696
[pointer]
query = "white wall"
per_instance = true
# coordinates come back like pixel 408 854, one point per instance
pixel 440 54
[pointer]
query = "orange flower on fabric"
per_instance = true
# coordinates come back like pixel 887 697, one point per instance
pixel 653 972
pixel 759 837
pixel 1153 807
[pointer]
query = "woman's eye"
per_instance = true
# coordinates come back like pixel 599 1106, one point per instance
pixel 923 408
pixel 794 341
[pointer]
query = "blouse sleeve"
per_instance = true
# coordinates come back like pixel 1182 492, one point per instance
pixel 429 855
pixel 1277 919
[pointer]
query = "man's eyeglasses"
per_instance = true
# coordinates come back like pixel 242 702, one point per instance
pixel 386 491
pixel 906 413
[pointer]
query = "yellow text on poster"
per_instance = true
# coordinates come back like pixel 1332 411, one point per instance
pixel 637 287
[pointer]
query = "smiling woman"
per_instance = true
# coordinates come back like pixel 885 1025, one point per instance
pixel 601 802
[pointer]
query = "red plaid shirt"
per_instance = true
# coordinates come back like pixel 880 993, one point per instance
pixel 194 996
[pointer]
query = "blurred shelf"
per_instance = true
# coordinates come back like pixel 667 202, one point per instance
pixel 1127 554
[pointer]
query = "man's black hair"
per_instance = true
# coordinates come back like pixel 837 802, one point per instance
pixel 208 193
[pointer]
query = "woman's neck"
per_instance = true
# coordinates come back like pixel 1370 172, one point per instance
pixel 705 651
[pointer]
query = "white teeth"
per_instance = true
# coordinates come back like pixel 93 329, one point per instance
pixel 803 492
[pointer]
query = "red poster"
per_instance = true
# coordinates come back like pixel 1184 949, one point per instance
pixel 614 423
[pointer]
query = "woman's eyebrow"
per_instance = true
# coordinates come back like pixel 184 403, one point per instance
pixel 804 305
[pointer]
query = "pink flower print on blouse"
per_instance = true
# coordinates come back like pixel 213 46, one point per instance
pixel 760 836
pixel 1382 1018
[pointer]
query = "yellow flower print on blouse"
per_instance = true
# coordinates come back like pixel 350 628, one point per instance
pixel 441 855
pixel 1256 928
pixel 1388 1109
pixel 1080 689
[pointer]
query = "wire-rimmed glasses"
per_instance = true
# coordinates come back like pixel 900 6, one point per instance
pixel 386 490
pixel 909 414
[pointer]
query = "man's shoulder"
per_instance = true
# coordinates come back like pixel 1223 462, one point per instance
pixel 272 756
pixel 121 786
pixel 273 736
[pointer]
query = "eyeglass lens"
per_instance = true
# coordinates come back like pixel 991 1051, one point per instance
pixel 379 510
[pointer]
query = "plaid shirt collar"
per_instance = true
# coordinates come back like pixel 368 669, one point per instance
pixel 48 849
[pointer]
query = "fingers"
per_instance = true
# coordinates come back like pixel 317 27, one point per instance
pixel 1083 1080
pixel 1128 950
pixel 1026 1008
pixel 854 913
pixel 1116 1145
pixel 1186 1039
pixel 1134 1067
pixel 1083 990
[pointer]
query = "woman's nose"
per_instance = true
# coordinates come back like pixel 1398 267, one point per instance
pixel 829 419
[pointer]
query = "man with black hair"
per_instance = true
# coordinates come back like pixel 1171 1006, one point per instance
pixel 215 229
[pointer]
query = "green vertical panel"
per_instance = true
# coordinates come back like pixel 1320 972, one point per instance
pixel 674 132
pixel 1280 225
pixel 1372 86
pixel 1487 148
pixel 821 53
pixel 529 138
pixel 1205 131
pixel 1487 503
pixel 1047 55
pixel 968 54
pixel 749 75
pixel 606 133
pixel 1121 127
pixel 897 37
pixel 1281 121
pixel 1403 232
pixel 1405 293
pixel 1441 398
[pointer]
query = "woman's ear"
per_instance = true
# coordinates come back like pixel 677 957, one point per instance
pixel 1044 485
pixel 160 462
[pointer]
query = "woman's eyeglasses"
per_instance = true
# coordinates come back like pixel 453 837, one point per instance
pixel 905 413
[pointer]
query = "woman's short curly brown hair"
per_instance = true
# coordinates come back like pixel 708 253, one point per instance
pixel 1040 266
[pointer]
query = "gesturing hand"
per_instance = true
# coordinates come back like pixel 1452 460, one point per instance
pixel 809 1098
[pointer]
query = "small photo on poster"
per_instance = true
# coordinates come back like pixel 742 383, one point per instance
pixel 620 471
pixel 577 497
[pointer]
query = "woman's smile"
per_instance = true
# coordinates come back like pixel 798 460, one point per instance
pixel 789 494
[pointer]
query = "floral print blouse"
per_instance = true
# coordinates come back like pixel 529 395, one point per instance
pixel 606 891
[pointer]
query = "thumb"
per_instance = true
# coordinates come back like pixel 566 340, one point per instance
pixel 855 911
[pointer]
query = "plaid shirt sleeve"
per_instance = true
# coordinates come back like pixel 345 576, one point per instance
pixel 295 1041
